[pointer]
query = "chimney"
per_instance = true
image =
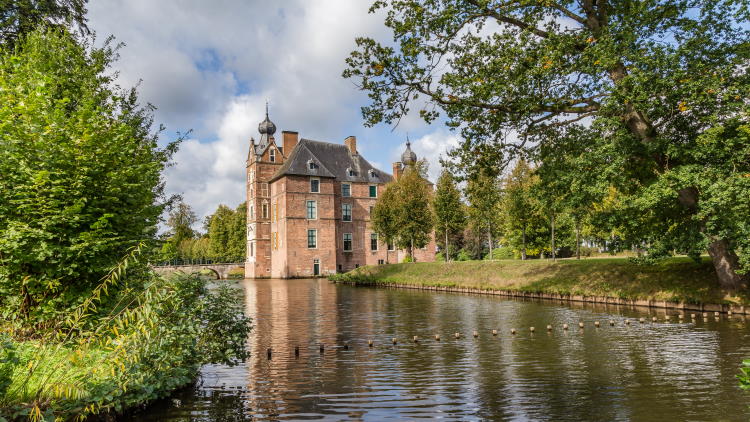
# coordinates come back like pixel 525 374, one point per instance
pixel 290 139
pixel 351 143
pixel 396 170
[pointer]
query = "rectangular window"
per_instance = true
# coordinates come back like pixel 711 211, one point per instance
pixel 347 242
pixel 264 189
pixel 312 238
pixel 390 247
pixel 315 185
pixel 374 241
pixel 346 190
pixel 252 248
pixel 312 210
pixel 381 261
pixel 373 191
pixel 251 210
pixel 272 155
pixel 346 212
pixel 265 210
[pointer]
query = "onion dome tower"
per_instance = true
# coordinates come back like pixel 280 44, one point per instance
pixel 266 128
pixel 408 158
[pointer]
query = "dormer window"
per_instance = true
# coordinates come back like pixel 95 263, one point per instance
pixel 312 165
pixel 373 173
pixel 350 172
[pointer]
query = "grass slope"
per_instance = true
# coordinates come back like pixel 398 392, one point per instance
pixel 675 279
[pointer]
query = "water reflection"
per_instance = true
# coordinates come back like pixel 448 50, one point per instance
pixel 650 371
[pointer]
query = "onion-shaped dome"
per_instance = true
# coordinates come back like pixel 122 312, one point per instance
pixel 408 157
pixel 267 127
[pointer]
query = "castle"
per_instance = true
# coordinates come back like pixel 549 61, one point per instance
pixel 309 204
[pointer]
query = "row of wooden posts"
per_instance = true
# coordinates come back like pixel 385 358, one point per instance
pixel 597 324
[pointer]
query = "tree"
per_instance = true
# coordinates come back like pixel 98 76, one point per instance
pixel 483 195
pixel 545 65
pixel 384 217
pixel 403 214
pixel 220 233
pixel 450 218
pixel 80 173
pixel 414 213
pixel 180 222
pixel 20 17
pixel 519 205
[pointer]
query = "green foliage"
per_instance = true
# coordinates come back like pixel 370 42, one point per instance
pixel 180 223
pixel 20 17
pixel 136 355
pixel 483 195
pixel 588 92
pixel 744 375
pixel 450 214
pixel 403 213
pixel 502 253
pixel 463 255
pixel 407 259
pixel 80 173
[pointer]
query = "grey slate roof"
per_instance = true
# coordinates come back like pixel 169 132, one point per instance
pixel 332 161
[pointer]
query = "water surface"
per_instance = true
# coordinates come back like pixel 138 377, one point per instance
pixel 659 371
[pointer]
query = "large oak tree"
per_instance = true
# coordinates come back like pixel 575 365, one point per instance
pixel 649 77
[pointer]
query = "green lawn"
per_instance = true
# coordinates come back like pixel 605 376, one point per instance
pixel 675 279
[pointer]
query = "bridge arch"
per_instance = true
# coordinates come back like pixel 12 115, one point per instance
pixel 204 269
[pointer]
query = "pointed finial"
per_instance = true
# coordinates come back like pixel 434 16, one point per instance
pixel 266 109
pixel 407 140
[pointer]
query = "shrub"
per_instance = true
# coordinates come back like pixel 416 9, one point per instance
pixel 501 253
pixel 407 259
pixel 137 355
pixel 236 273
pixel 463 255
pixel 745 375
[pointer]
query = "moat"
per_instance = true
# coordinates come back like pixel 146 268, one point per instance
pixel 638 372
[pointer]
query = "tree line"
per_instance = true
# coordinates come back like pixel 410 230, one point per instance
pixel 223 238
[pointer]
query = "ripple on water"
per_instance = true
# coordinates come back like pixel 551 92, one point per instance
pixel 642 371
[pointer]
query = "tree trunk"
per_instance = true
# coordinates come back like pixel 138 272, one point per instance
pixel 489 238
pixel 553 237
pixel 726 263
pixel 447 258
pixel 523 243
pixel 578 240
pixel 411 250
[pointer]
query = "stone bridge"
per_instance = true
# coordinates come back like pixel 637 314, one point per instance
pixel 221 271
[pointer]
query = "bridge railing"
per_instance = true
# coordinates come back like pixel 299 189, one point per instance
pixel 193 262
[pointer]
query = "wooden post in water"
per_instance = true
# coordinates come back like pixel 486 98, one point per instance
pixel 296 351
pixel 268 353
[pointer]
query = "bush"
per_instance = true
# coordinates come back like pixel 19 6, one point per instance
pixel 463 255
pixel 501 253
pixel 134 356
pixel 407 259
pixel 81 173
pixel 587 251
pixel 236 273
pixel 745 375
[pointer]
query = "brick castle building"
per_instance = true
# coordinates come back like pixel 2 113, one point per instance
pixel 309 204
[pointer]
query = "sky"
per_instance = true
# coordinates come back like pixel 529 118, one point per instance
pixel 210 66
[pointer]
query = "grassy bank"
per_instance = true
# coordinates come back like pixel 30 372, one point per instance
pixel 675 279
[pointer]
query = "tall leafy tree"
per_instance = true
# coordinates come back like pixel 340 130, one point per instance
pixel 520 206
pixel 384 218
pixel 180 222
pixel 483 195
pixel 450 218
pixel 414 211
pixel 220 233
pixel 21 17
pixel 80 173
pixel 649 76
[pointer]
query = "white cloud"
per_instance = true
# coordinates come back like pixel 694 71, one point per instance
pixel 432 147
pixel 210 66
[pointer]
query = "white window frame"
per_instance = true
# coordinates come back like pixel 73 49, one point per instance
pixel 369 190
pixel 314 209
pixel 315 231
pixel 311 185
pixel 272 155
pixel 343 214
pixel 350 190
pixel 375 237
pixel 264 189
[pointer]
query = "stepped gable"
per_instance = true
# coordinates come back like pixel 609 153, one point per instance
pixel 330 160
